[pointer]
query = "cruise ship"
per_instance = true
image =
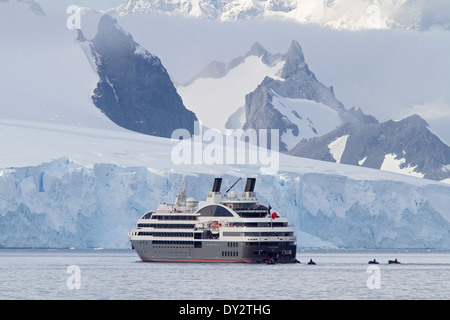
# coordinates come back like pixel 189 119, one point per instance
pixel 223 228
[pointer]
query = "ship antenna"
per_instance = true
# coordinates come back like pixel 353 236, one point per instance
pixel 232 186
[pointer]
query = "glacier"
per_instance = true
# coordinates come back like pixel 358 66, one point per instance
pixel 63 203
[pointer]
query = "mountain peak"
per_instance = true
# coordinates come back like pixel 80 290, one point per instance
pixel 295 61
pixel 295 53
pixel 415 120
pixel 110 35
pixel 106 24
pixel 257 50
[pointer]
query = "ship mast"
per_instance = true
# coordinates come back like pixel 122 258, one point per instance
pixel 180 199
pixel 232 186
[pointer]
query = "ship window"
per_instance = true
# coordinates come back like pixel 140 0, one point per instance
pixel 166 225
pixel 230 254
pixel 147 215
pixel 215 211
pixel 174 217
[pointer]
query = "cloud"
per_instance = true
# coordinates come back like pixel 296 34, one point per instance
pixel 436 109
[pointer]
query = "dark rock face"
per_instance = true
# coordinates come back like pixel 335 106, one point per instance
pixel 135 90
pixel 408 139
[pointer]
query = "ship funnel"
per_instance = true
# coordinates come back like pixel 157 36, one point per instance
pixel 217 184
pixel 250 185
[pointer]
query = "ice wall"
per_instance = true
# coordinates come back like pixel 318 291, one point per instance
pixel 65 204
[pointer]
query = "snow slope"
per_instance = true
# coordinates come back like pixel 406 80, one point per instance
pixel 312 118
pixel 391 163
pixel 337 148
pixel 214 100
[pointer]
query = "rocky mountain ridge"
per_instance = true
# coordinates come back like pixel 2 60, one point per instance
pixel 406 146
pixel 267 108
pixel 135 90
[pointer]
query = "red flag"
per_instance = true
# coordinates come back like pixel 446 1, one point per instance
pixel 273 213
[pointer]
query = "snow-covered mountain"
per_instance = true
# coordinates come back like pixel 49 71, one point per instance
pixel 297 104
pixel 421 15
pixel 312 122
pixel 261 90
pixel 405 146
pixel 337 14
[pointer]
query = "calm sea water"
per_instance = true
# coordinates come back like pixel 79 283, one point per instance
pixel 118 274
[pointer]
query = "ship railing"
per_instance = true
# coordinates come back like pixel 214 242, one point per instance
pixel 273 224
pixel 171 209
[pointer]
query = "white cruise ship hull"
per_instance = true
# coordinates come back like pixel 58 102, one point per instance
pixel 213 251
